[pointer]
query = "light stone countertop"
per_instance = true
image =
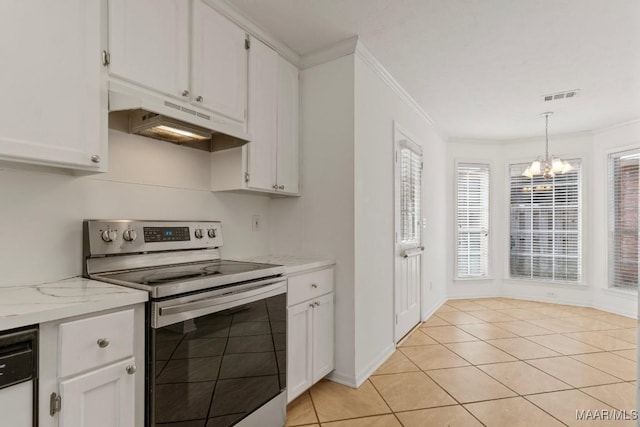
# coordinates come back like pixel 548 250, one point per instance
pixel 23 305
pixel 293 263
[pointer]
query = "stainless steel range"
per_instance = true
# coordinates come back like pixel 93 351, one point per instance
pixel 216 336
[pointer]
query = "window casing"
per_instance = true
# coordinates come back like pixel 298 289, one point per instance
pixel 545 225
pixel 623 195
pixel 472 216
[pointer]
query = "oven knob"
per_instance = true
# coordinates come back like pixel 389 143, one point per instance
pixel 212 233
pixel 198 233
pixel 129 235
pixel 109 235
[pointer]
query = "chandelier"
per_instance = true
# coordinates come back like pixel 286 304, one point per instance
pixel 548 165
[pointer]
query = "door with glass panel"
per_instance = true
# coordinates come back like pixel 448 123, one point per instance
pixel 408 233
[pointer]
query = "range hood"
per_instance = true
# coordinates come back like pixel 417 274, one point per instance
pixel 165 120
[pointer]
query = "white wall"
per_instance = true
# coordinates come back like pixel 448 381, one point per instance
pixel 43 208
pixel 592 148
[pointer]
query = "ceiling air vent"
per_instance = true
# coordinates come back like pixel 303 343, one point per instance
pixel 561 95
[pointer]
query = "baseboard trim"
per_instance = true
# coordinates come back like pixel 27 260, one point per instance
pixel 340 378
pixel 426 315
pixel 374 364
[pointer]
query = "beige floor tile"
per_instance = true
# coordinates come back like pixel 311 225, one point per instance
pixel 522 348
pixel 459 318
pixel 479 352
pixel 417 337
pixel 433 357
pixel 486 331
pixel 563 345
pixel 524 314
pixel 564 404
pixel 553 310
pixel 559 326
pixel 469 384
pixel 522 303
pixel 450 416
pixel 573 372
pixel 464 305
pixel 446 308
pixel 522 328
pixel 601 340
pixel 395 364
pixel 590 323
pixel 492 316
pixel 621 321
pixel 447 334
pixel 513 412
pixel 584 311
pixel 628 354
pixel 408 391
pixel 523 378
pixel 611 364
pixel 377 421
pixel 300 411
pixel 621 396
pixel 434 321
pixel 494 303
pixel 335 401
pixel 629 335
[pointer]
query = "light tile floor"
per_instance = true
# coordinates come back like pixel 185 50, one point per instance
pixel 490 362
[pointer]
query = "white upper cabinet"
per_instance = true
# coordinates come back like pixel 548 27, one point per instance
pixel 263 116
pixel 53 103
pixel 288 110
pixel 219 63
pixel 149 44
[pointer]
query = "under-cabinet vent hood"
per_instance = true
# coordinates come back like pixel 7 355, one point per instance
pixel 169 121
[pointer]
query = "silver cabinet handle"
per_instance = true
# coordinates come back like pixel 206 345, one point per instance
pixel 131 369
pixel 314 286
pixel 95 158
pixel 103 343
pixel 413 252
pixel 185 93
pixel 281 187
pixel 199 99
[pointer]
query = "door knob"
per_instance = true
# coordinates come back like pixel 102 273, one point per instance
pixel 199 99
pixel 131 369
pixel 103 342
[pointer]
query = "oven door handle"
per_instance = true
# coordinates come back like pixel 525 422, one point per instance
pixel 227 300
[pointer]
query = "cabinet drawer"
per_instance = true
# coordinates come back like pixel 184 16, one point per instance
pixel 310 285
pixel 89 343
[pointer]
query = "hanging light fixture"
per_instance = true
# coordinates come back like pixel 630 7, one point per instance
pixel 548 165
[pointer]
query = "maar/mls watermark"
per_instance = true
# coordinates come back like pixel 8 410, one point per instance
pixel 606 414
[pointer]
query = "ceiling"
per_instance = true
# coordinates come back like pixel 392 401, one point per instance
pixel 479 68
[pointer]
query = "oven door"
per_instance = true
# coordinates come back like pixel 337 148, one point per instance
pixel 216 357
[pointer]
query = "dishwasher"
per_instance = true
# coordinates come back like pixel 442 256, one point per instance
pixel 19 377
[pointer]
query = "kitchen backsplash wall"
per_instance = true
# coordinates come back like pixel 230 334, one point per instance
pixel 42 209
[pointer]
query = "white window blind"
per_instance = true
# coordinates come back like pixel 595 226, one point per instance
pixel 545 225
pixel 473 220
pixel 410 192
pixel 623 219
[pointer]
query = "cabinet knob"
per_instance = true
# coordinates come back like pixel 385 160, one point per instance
pixel 275 187
pixel 131 369
pixel 95 158
pixel 314 286
pixel 199 99
pixel 103 342
pixel 281 187
pixel 185 93
pixel 311 305
pixel 317 304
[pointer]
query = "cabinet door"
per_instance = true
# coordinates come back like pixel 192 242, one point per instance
pixel 219 63
pixel 101 398
pixel 53 104
pixel 323 337
pixel 288 106
pixel 149 43
pixel 262 115
pixel 299 349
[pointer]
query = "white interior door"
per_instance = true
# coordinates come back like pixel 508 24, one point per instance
pixel 408 233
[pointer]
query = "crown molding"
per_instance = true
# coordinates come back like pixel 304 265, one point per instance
pixel 329 53
pixel 616 126
pixel 238 17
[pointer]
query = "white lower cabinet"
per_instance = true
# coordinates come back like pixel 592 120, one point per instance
pixel 92 370
pixel 104 397
pixel 310 321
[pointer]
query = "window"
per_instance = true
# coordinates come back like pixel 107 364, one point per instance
pixel 410 191
pixel 472 213
pixel 623 219
pixel 545 225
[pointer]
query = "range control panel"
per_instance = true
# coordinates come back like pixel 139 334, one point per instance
pixel 109 237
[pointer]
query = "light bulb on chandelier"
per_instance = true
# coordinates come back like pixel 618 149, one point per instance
pixel 548 165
